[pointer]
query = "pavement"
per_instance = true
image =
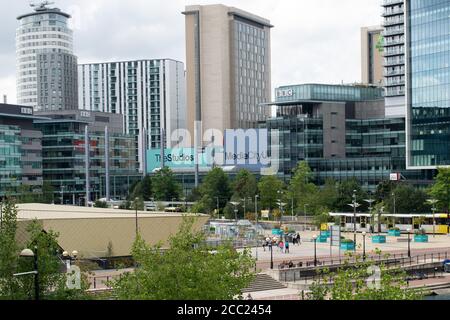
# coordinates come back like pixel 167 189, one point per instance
pixel 305 251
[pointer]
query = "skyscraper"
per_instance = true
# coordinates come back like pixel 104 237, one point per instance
pixel 149 93
pixel 394 54
pixel 228 63
pixel 372 56
pixel 428 83
pixel 46 66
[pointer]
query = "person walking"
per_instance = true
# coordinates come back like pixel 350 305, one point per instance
pixel 286 247
pixel 281 246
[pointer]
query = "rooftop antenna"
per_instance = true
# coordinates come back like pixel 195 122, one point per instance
pixel 40 6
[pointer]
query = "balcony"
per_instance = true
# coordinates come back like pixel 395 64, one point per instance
pixel 393 22
pixel 396 42
pixel 394 32
pixel 389 53
pixel 393 12
pixel 395 62
pixel 396 83
pixel 397 72
pixel 395 93
pixel 388 3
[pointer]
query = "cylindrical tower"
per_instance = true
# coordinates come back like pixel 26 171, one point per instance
pixel 43 32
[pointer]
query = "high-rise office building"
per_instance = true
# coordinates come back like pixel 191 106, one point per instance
pixel 150 94
pixel 372 56
pixel 394 57
pixel 228 63
pixel 428 83
pixel 46 66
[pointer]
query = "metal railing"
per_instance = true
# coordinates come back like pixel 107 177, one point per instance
pixel 414 263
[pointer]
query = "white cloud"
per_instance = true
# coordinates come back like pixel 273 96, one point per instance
pixel 313 40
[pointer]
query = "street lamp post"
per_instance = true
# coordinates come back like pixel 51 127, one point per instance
pixel 28 253
pixel 68 258
pixel 433 203
pixel 395 203
pixel 256 217
pixel 271 255
pixel 217 206
pixel 282 205
pixel 370 201
pixel 62 194
pixel 280 196
pixel 315 250
pixel 364 245
pixel 136 215
pixel 355 205
pixel 304 222
pixel 245 205
pixel 235 204
pixel 409 242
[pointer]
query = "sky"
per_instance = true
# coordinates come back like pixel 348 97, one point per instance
pixel 313 41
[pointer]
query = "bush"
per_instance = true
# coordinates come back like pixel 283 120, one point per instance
pixel 100 204
pixel 421 232
pixel 394 229
pixel 347 241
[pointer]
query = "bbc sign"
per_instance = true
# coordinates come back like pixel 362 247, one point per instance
pixel 285 93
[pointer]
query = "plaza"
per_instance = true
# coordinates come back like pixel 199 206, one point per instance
pixel 305 251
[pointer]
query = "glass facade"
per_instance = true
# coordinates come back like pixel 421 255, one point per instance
pixel 10 159
pixel 429 83
pixel 323 92
pixel 300 139
pixel 64 161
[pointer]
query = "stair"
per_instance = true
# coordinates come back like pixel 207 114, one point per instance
pixel 264 282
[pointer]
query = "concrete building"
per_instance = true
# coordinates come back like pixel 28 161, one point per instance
pixel 46 66
pixel 228 63
pixel 20 150
pixel 428 83
pixel 150 94
pixel 394 57
pixel 100 233
pixel 372 62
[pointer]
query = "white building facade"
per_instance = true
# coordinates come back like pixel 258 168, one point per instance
pixel 150 94
pixel 44 34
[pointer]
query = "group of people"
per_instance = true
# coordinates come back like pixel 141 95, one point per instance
pixel 283 246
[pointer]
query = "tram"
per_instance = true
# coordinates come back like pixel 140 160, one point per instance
pixel 437 223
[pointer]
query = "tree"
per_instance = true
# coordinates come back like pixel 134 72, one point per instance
pixel 244 185
pixel 142 189
pixel 268 187
pixel 215 186
pixel 441 189
pixel 356 283
pixel 164 185
pixel 302 190
pixel 52 281
pixel 48 192
pixel 188 270
pixel 407 200
pixel 8 250
pixel 345 196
